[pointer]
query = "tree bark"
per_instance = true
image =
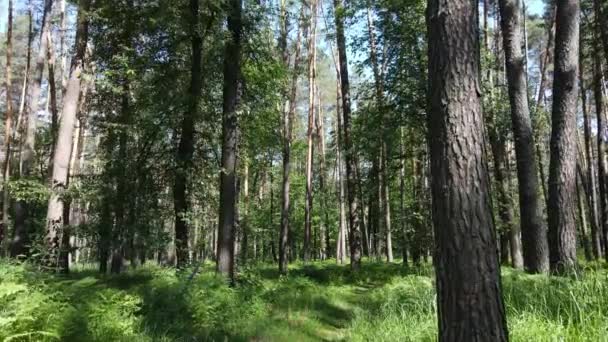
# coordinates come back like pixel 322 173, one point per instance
pixel 312 74
pixel 598 94
pixel 288 119
pixel 469 299
pixel 583 216
pixel 8 121
pixel 351 160
pixel 231 98
pixel 185 150
pixel 534 235
pixel 19 242
pixel 562 166
pixel 55 213
pixel 601 21
pixel 588 155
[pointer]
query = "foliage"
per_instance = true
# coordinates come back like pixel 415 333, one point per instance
pixel 320 301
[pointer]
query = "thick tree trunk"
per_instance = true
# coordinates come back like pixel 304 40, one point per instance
pixel 8 122
pixel 55 213
pixel 312 74
pixel 602 168
pixel 469 299
pixel 591 190
pixel 351 160
pixel 231 97
pixel 185 149
pixel 562 166
pixel 20 237
pixel 534 235
pixel 287 121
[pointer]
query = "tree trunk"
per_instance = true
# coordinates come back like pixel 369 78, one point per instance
pixel 288 119
pixel 404 240
pixel 231 98
pixel 340 240
pixel 20 237
pixel 312 65
pixel 52 99
pixel 351 160
pixel 8 123
pixel 588 155
pixel 320 131
pixel 55 213
pixel 534 235
pixel 583 217
pixel 470 304
pixel 601 21
pixel 602 168
pixel 185 149
pixel 562 166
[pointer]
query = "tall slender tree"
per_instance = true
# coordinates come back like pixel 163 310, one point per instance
pixel 351 159
pixel 63 148
pixel 8 120
pixel 469 299
pixel 19 242
pixel 185 149
pixel 562 166
pixel 598 94
pixel 228 183
pixel 312 77
pixel 534 235
pixel 287 123
pixel 595 240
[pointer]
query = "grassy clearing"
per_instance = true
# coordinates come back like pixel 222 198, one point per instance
pixel 321 301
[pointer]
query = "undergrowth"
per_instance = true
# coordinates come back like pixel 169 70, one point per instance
pixel 320 301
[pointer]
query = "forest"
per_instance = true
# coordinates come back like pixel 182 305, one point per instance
pixel 303 170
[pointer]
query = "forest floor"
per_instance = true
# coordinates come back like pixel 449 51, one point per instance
pixel 319 301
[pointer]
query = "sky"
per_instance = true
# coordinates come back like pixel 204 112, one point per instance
pixel 534 7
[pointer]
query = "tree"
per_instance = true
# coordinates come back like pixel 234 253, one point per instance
pixel 8 121
pixel 535 249
pixel 287 122
pixel 63 147
pixel 562 165
pixel 231 95
pixel 350 156
pixel 598 94
pixel 185 149
pixel 596 246
pixel 312 76
pixel 469 297
pixel 18 244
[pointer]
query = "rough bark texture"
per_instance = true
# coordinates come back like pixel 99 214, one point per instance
pixel 562 166
pixel 598 94
pixel 351 160
pixel 27 154
pixel 61 162
pixel 312 75
pixel 601 20
pixel 534 234
pixel 590 169
pixel 469 300
pixel 8 121
pixel 231 95
pixel 288 118
pixel 185 149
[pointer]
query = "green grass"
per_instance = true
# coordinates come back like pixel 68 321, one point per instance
pixel 321 301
